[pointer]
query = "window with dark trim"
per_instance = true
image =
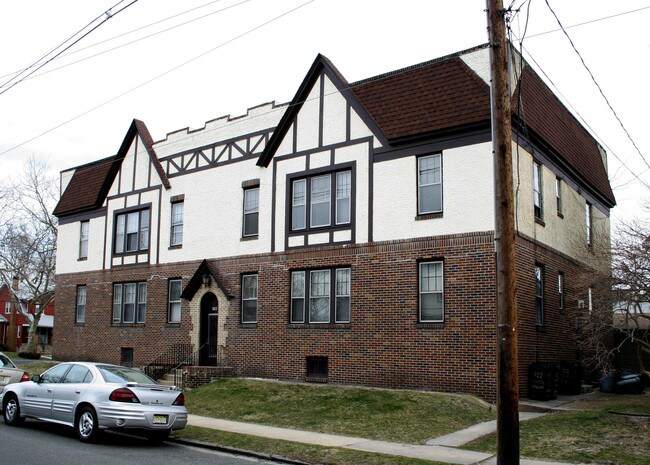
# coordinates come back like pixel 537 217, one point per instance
pixel 539 295
pixel 176 228
pixel 7 308
pixel 430 184
pixel 321 200
pixel 251 212
pixel 83 239
pixel 317 367
pixel 560 291
pixel 80 313
pixel 131 231
pixel 130 302
pixel 320 296
pixel 588 224
pixel 538 200
pixel 431 292
pixel 558 196
pixel 174 306
pixel 249 298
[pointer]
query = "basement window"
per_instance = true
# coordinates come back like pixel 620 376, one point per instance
pixel 317 368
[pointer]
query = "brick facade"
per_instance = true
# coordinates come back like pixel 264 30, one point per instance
pixel 383 345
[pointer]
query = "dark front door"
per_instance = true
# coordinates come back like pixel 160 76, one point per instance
pixel 208 330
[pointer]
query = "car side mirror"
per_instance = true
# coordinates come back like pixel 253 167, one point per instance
pixel 36 379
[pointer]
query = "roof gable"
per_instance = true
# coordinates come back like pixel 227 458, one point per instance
pixel 91 183
pixel 205 268
pixel 320 65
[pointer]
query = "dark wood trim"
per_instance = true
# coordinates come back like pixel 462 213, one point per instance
pixel 86 216
pixel 321 109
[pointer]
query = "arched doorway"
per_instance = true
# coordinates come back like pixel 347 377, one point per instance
pixel 208 330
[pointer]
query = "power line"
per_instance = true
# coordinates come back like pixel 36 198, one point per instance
pixel 44 60
pixel 149 81
pixel 597 85
pixel 135 40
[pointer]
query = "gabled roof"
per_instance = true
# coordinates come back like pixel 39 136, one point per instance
pixel 554 125
pixel 196 282
pixel 90 183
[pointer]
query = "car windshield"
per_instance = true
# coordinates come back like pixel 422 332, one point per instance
pixel 5 362
pixel 117 374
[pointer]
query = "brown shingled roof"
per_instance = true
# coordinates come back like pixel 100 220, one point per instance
pixel 544 114
pixel 425 99
pixel 90 183
pixel 87 188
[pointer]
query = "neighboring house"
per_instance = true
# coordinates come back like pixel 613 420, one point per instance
pixel 345 237
pixel 24 316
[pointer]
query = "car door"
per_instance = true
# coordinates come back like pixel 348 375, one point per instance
pixel 38 396
pixel 69 392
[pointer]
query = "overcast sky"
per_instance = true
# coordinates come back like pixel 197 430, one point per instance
pixel 236 54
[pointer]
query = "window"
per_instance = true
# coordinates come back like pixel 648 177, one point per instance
pixel 560 290
pixel 129 302
pixel 430 184
pixel 55 374
pixel 176 235
pixel 83 239
pixel 80 314
pixel 537 190
pixel 320 307
pixel 590 303
pixel 325 199
pixel 539 295
pixel 174 309
pixel 588 222
pixel 78 375
pixel 558 196
pixel 132 231
pixel 249 298
pixel 431 292
pixel 126 357
pixel 317 367
pixel 7 308
pixel 251 211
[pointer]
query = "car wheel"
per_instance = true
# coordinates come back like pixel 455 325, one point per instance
pixel 86 425
pixel 159 436
pixel 12 411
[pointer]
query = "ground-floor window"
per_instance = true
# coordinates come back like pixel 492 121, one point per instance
pixel 317 367
pixel 431 291
pixel 249 298
pixel 320 296
pixel 129 302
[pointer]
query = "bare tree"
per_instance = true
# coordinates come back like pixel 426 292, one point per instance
pixel 28 236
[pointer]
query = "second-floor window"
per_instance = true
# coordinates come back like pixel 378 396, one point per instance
pixel 588 223
pixel 537 190
pixel 560 290
pixel 430 184
pixel 321 200
pixel 558 195
pixel 129 303
pixel 83 239
pixel 132 231
pixel 251 211
pixel 176 233
pixel 7 308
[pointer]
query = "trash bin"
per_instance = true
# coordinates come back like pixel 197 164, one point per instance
pixel 570 378
pixel 542 381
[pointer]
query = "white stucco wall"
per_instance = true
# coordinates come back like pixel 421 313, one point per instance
pixel 468 194
pixel 67 254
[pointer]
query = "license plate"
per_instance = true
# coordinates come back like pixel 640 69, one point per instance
pixel 160 419
pixel 4 379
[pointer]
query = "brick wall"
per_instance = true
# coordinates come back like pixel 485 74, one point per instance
pixel 383 345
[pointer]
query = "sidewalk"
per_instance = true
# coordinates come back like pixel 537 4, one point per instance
pixel 441 449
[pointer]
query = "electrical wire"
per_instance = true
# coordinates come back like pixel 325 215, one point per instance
pixel 149 81
pixel 593 78
pixel 135 40
pixel 41 62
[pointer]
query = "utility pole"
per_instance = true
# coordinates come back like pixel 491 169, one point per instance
pixel 504 241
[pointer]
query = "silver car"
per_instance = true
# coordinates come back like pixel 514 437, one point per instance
pixel 92 397
pixel 9 373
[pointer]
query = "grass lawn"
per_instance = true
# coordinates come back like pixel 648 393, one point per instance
pixel 399 416
pixel 600 434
